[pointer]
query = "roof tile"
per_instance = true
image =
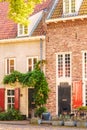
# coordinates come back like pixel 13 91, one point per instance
pixel 83 8
pixel 58 11
pixel 7 26
pixel 8 29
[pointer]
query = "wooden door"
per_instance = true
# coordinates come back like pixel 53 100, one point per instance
pixel 64 98
pixel 31 103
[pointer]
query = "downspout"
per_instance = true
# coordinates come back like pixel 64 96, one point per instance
pixel 41 52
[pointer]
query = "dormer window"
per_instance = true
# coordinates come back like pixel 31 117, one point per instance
pixel 69 7
pixel 22 30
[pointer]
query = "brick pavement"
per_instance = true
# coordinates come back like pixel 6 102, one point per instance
pixel 24 125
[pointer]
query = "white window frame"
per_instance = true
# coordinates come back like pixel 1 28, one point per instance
pixel 84 66
pixel 9 65
pixel 6 97
pixel 64 53
pixel 84 78
pixel 62 79
pixel 32 61
pixel 23 34
pixel 64 8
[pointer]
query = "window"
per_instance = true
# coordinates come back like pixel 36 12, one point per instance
pixel 85 64
pixel 10 98
pixel 31 61
pixel 64 65
pixel 69 6
pixel 86 93
pixel 10 65
pixel 22 30
pixel 85 78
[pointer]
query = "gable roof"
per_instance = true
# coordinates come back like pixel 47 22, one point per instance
pixel 8 28
pixel 58 11
pixel 83 8
pixel 34 21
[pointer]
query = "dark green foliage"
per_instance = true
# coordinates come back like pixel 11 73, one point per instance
pixel 12 78
pixel 11 114
pixel 83 108
pixel 40 110
pixel 36 79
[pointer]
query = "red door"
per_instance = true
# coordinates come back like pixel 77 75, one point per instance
pixel 77 94
pixel 2 99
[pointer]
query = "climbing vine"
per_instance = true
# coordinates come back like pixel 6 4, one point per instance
pixel 36 79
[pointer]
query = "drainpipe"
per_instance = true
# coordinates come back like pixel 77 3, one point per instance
pixel 41 52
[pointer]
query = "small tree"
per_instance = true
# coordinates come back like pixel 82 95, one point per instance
pixel 19 10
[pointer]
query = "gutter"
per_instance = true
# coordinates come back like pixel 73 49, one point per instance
pixel 14 40
pixel 56 20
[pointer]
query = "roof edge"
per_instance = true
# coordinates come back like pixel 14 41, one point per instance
pixel 53 7
pixel 65 19
pixel 14 40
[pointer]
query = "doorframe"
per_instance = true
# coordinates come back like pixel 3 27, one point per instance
pixel 28 99
pixel 63 79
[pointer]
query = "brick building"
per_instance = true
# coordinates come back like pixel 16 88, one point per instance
pixel 63 41
pixel 66 55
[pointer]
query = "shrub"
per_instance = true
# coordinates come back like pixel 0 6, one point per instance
pixel 11 114
pixel 83 108
pixel 40 110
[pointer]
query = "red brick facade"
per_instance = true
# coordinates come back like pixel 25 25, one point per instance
pixel 68 36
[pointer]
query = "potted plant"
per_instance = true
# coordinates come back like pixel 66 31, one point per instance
pixel 82 116
pixel 58 121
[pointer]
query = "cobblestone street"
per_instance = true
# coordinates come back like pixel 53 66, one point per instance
pixel 27 126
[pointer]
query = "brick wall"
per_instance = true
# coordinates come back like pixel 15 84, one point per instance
pixel 69 36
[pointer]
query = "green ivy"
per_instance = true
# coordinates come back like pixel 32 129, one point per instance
pixel 36 79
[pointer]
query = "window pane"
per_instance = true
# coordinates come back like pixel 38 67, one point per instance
pixel 66 6
pixel 85 65
pixel 9 106
pixel 34 62
pixel 12 99
pixel 7 66
pixel 30 61
pixel 25 29
pixel 12 92
pixel 12 106
pixel 29 64
pixel 60 65
pixel 67 65
pixel 72 6
pixel 11 65
pixel 20 29
pixel 11 69
pixel 8 92
pixel 30 68
pixel 11 62
pixel 9 99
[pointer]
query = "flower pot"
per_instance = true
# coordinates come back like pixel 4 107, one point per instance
pixel 82 124
pixel 57 123
pixel 70 123
pixel 39 121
